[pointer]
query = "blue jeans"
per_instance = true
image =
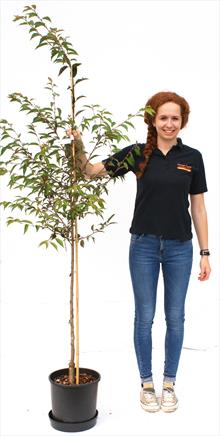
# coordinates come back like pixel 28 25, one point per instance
pixel 146 253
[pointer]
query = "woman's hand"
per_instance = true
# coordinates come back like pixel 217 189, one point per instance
pixel 91 170
pixel 74 134
pixel 205 269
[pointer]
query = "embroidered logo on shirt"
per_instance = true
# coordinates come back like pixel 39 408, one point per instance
pixel 184 167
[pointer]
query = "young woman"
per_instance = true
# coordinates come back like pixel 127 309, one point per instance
pixel 168 172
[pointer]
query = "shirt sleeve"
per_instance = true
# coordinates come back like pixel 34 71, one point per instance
pixel 123 161
pixel 198 183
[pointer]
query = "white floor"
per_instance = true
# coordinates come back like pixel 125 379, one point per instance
pixel 35 341
pixel 25 390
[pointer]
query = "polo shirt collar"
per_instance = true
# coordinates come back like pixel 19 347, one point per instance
pixel 178 145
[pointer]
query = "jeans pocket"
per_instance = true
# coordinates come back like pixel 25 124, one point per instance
pixel 137 236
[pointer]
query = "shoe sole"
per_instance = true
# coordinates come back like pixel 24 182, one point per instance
pixel 169 409
pixel 152 410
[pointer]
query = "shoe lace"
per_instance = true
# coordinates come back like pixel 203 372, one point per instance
pixel 149 394
pixel 169 394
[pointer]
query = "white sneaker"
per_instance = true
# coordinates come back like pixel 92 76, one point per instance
pixel 169 401
pixel 148 398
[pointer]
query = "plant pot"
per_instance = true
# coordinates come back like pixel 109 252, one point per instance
pixel 73 406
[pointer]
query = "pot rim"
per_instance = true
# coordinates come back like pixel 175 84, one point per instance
pixel 78 386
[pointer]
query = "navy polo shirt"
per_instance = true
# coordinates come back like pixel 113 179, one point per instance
pixel 161 205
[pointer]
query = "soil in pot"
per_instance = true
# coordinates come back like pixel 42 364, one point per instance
pixel 83 378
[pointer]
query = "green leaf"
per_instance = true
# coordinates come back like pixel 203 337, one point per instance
pixel 47 18
pixel 34 35
pixel 129 123
pixel 54 245
pixel 125 165
pixel 95 127
pixel 32 14
pixel 59 60
pixel 51 36
pixel 26 226
pixel 137 150
pixel 130 160
pixel 81 96
pixel 62 70
pixel 79 112
pixel 80 80
pixel 10 221
pixel 5 135
pixel 3 171
pixel 39 23
pixel 74 70
pixel 71 50
pixel 5 204
pixel 3 149
pixel 110 218
pixel 17 17
pixel 43 38
pixel 60 242
pixel 44 243
pixel 150 110
pixel 40 45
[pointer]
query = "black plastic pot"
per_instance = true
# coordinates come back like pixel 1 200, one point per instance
pixel 73 406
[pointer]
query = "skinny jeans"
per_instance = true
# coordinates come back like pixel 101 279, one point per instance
pixel 146 254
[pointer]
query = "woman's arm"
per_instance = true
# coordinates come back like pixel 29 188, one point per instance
pixel 199 217
pixel 91 170
pixel 200 221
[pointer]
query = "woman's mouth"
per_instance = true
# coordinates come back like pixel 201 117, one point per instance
pixel 169 131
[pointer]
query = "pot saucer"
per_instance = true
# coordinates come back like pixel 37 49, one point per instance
pixel 72 426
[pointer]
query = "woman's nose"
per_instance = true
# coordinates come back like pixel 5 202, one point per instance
pixel 169 122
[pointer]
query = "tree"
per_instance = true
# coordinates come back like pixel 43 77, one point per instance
pixel 53 192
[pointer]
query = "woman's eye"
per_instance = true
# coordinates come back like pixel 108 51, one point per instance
pixel 165 118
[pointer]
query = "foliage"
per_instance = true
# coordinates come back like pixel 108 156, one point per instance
pixel 52 189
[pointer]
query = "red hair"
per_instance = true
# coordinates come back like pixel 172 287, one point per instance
pixel 155 102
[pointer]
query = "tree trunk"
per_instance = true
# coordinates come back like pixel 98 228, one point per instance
pixel 71 321
pixel 77 303
pixel 74 282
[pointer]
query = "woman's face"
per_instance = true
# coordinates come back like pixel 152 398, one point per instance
pixel 168 121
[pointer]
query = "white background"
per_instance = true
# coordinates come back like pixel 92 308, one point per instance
pixel 129 50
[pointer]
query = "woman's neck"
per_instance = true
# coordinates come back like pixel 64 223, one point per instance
pixel 166 145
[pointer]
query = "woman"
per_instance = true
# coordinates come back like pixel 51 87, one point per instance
pixel 167 173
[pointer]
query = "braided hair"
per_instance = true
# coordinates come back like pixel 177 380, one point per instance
pixel 154 103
